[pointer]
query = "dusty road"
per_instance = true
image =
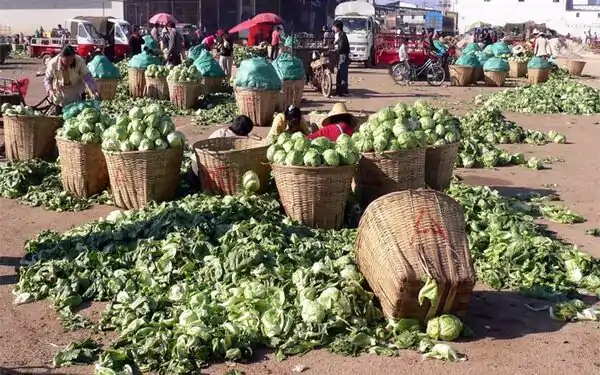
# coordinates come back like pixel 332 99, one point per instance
pixel 510 338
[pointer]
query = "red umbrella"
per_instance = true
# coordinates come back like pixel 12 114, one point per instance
pixel 163 19
pixel 242 26
pixel 267 18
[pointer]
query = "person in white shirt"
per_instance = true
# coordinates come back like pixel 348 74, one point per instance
pixel 542 49
pixel 403 59
pixel 240 127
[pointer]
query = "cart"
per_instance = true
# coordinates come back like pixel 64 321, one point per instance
pixel 321 68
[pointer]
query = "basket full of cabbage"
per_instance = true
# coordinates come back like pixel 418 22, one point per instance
pixel 107 76
pixel 82 164
pixel 313 178
pixel 28 134
pixel 143 154
pixel 156 82
pixel 184 86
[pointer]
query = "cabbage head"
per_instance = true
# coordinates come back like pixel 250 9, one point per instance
pixel 294 158
pixel 146 145
pixel 279 157
pixel 136 113
pixel 272 150
pixel 312 312
pixel 136 138
pixel 312 158
pixel 343 140
pixel 321 144
pixel 175 139
pixel 446 327
pixel 301 144
pixel 161 144
pixel 331 158
pixel 152 134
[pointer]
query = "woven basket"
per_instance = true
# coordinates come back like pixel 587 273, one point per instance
pixel 137 82
pixel 314 196
pixel 575 67
pixel 83 169
pixel 405 237
pixel 517 69
pixel 30 137
pixel 538 75
pixel 138 177
pixel 380 174
pixel 260 106
pixel 460 75
pixel 478 75
pixel 157 88
pixel 222 163
pixel 291 93
pixel 495 79
pixel 212 84
pixel 439 165
pixel 107 88
pixel 184 94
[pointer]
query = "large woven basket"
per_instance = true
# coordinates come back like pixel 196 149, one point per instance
pixel 260 106
pixel 107 88
pixel 138 177
pixel 405 237
pixel 439 165
pixel 380 174
pixel 478 75
pixel 538 75
pixel 212 84
pixel 517 69
pixel 575 67
pixel 83 169
pixel 460 75
pixel 314 196
pixel 291 93
pixel 184 94
pixel 222 163
pixel 137 82
pixel 495 79
pixel 157 88
pixel 30 137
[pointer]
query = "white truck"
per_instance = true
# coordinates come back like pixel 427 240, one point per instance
pixel 360 26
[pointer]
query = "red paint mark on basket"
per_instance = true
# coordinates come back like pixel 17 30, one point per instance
pixel 216 180
pixel 119 175
pixel 435 227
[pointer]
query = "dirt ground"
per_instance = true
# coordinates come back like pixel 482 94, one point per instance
pixel 510 338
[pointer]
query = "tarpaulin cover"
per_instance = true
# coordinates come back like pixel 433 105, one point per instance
pixel 501 48
pixel 100 67
pixel 288 67
pixel 257 73
pixel 468 59
pixel 144 60
pixel 495 64
pixel 538 63
pixel 207 66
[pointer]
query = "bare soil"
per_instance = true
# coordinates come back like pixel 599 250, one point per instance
pixel 509 337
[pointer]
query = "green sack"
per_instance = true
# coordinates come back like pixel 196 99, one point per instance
pixel 100 67
pixel 291 42
pixel 495 64
pixel 470 48
pixel 151 43
pixel 488 50
pixel 73 109
pixel 483 57
pixel 144 60
pixel 257 73
pixel 500 49
pixel 195 51
pixel 207 66
pixel 538 63
pixel 288 67
pixel 468 59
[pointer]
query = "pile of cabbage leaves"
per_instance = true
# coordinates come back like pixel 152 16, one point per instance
pixel 208 278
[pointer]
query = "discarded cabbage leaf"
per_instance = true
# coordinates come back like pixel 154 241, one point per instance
pixel 429 291
pixel 443 352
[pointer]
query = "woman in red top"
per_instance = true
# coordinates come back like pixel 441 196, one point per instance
pixel 339 121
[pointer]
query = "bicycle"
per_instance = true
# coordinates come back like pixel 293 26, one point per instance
pixel 436 74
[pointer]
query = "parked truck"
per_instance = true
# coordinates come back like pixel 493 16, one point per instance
pixel 442 23
pixel 361 28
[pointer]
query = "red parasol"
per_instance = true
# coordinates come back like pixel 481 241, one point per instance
pixel 163 19
pixel 267 18
pixel 242 26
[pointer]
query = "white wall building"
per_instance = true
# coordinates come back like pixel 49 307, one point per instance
pixel 27 15
pixel 565 16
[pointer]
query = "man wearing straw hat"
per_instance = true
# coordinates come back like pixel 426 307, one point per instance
pixel 339 121
pixel 541 49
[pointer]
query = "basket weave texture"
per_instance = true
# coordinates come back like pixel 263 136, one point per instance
pixel 222 163
pixel 495 79
pixel 184 94
pixel 137 82
pixel 107 88
pixel 439 165
pixel 30 137
pixel 381 174
pixel 83 169
pixel 478 75
pixel 517 69
pixel 575 67
pixel 260 106
pixel 212 84
pixel 405 237
pixel 138 177
pixel 157 88
pixel 460 75
pixel 314 196
pixel 291 93
pixel 538 75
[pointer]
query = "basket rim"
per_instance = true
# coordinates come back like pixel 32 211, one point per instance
pixel 322 167
pixel 141 152
pixel 208 140
pixel 444 145
pixel 461 66
pixel 108 79
pixel 132 68
pixel 31 116
pixel 237 88
pixel 184 83
pixel 63 139
pixel 391 152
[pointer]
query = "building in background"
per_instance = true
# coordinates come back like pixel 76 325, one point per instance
pixel 565 16
pixel 27 15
